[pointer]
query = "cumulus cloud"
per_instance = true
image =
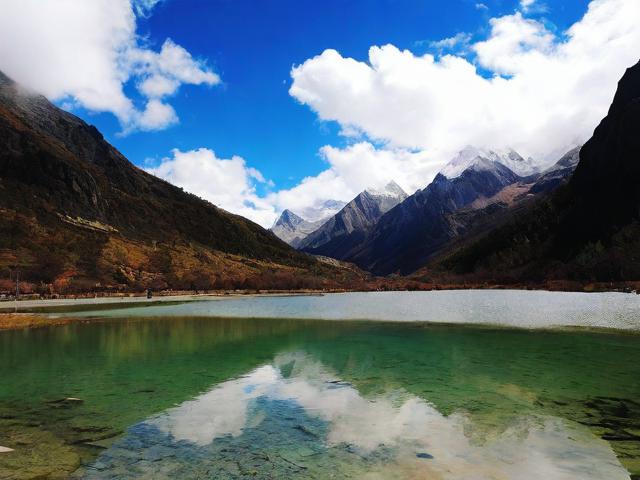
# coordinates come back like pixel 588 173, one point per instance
pixel 353 169
pixel 515 44
pixel 227 183
pixel 85 52
pixel 156 116
pixel 536 91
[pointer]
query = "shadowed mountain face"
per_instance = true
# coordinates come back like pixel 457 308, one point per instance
pixel 558 174
pixel 353 220
pixel 407 235
pixel 75 207
pixel 587 230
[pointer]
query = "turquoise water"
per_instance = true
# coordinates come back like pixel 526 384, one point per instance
pixel 201 397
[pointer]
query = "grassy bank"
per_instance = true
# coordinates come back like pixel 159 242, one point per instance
pixel 15 321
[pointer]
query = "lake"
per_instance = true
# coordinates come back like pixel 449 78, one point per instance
pixel 451 385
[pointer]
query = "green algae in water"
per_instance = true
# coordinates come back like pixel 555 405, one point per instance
pixel 229 398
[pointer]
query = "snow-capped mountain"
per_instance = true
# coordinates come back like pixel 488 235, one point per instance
pixel 388 196
pixel 473 157
pixel 322 212
pixel 292 228
pixel 403 239
pixel 391 189
pixel 558 173
pixel 356 217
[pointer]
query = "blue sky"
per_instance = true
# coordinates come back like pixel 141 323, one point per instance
pixel 252 45
pixel 263 105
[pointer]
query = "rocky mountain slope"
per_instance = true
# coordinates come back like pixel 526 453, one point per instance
pixel 472 194
pixel 292 228
pixel 353 220
pixel 559 173
pixel 588 229
pixel 76 214
pixel 407 235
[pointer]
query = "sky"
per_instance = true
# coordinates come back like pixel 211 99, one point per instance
pixel 262 105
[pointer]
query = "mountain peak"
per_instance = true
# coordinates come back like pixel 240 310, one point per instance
pixel 465 159
pixel 481 159
pixel 353 220
pixel 287 217
pixel 391 189
pixel 292 228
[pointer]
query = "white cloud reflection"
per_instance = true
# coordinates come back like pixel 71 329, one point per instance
pixel 533 447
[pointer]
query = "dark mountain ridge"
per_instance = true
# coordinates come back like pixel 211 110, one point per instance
pixel 355 218
pixel 407 235
pixel 588 229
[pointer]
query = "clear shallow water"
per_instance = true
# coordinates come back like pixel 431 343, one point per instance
pixel 184 397
pixel 516 308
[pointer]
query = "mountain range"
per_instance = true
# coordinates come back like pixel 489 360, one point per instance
pixel 353 220
pixel 589 228
pixel 404 238
pixel 468 192
pixel 356 216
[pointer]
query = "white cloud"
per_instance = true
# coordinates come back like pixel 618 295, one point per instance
pixel 459 41
pixel 227 183
pixel 353 169
pixel 515 44
pixel 144 7
pixel 156 116
pixel 481 6
pixel 557 89
pixel 85 52
pixel 532 6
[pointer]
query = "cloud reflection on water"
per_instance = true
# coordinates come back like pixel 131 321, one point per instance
pixel 531 448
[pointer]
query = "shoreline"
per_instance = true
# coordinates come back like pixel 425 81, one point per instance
pixel 30 321
pixel 58 312
pixel 33 305
pixel 8 303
